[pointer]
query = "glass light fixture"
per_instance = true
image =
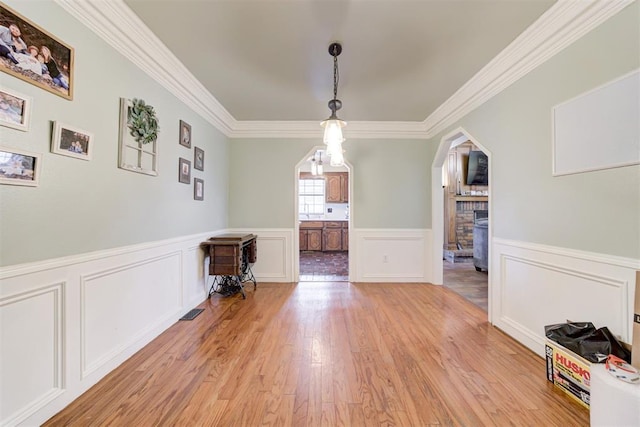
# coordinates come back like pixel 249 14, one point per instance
pixel 319 167
pixel 337 158
pixel 314 166
pixel 333 125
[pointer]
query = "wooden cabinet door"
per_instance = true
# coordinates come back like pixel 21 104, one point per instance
pixel 345 239
pixel 333 188
pixel 314 240
pixel 304 235
pixel 344 187
pixel 332 239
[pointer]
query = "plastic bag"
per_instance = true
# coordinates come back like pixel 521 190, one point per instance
pixel 585 340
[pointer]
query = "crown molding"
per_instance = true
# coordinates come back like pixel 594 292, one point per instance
pixel 312 129
pixel 562 24
pixel 116 24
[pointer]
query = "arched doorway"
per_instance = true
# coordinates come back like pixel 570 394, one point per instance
pixel 321 250
pixel 450 140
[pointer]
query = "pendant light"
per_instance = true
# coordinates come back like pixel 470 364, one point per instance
pixel 333 125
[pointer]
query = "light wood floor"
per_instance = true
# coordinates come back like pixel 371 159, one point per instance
pixel 330 354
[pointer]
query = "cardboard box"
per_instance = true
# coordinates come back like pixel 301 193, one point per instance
pixel 569 372
pixel 635 344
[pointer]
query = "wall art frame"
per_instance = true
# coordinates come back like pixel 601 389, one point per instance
pixel 31 41
pixel 184 171
pixel 15 109
pixel 135 156
pixel 18 167
pixel 185 134
pixel 71 141
pixel 198 189
pixel 198 158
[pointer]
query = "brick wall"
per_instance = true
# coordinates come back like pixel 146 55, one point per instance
pixel 464 221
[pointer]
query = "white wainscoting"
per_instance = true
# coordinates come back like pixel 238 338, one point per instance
pixel 375 255
pixel 275 253
pixel 65 323
pixel 537 285
pixel 391 255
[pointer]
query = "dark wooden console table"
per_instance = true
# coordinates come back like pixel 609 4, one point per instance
pixel 230 259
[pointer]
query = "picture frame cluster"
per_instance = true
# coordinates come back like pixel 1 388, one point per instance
pixel 41 59
pixel 185 166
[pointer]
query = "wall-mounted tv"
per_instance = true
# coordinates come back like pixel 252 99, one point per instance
pixel 478 168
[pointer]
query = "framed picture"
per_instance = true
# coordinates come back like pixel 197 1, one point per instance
pixel 71 141
pixel 185 134
pixel 138 154
pixel 15 109
pixel 184 171
pixel 198 159
pixel 19 167
pixel 35 55
pixel 198 189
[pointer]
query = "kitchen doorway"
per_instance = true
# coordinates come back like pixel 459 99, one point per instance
pixel 323 219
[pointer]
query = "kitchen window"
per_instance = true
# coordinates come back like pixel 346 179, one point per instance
pixel 310 197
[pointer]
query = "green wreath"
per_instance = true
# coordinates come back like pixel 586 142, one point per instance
pixel 143 123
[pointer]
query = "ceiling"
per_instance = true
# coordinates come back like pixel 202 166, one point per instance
pixel 267 60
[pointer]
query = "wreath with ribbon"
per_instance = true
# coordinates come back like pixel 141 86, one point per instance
pixel 143 123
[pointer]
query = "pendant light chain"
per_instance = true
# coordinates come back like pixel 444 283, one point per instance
pixel 336 75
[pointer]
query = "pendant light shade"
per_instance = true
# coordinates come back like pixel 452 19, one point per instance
pixel 333 137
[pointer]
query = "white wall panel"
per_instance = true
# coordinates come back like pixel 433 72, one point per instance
pixel 31 349
pixel 122 304
pixel 392 255
pixel 536 285
pixel 275 254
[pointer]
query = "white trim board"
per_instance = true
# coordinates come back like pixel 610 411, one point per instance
pixel 612 138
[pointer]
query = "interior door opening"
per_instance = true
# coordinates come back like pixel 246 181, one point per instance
pixel 460 200
pixel 323 219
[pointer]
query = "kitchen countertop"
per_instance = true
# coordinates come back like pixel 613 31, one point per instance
pixel 322 219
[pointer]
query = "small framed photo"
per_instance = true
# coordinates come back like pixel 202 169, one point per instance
pixel 185 134
pixel 19 167
pixel 71 141
pixel 198 189
pixel 198 159
pixel 15 109
pixel 184 172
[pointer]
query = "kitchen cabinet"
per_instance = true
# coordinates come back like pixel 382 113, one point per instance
pixel 311 235
pixel 337 187
pixel 345 237
pixel 324 236
pixel 332 236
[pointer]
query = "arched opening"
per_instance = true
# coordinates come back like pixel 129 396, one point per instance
pixel 321 250
pixel 439 176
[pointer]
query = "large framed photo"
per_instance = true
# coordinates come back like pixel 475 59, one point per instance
pixel 198 189
pixel 19 167
pixel 185 134
pixel 15 109
pixel 198 158
pixel 71 141
pixel 184 171
pixel 32 54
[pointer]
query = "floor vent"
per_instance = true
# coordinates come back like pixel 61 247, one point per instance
pixel 192 314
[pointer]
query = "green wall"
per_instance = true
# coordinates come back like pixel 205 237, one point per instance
pixel 595 211
pixel 391 181
pixel 83 206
